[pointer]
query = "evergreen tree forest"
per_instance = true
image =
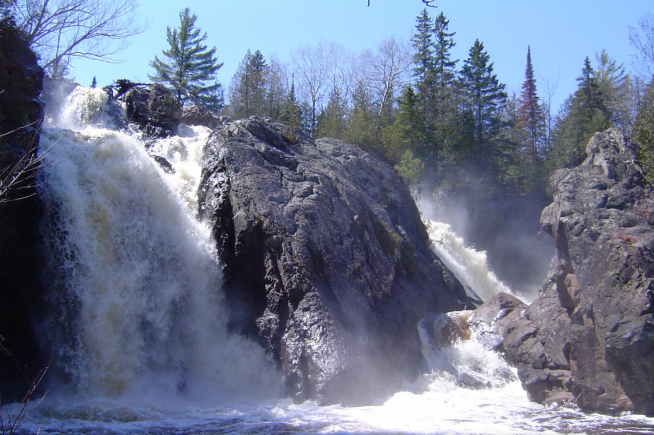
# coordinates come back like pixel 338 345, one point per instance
pixel 446 124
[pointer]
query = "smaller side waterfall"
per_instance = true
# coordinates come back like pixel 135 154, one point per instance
pixel 468 265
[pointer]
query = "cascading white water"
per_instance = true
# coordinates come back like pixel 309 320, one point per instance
pixel 136 284
pixel 136 289
pixel 468 265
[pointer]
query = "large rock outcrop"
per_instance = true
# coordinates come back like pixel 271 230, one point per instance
pixel 325 257
pixel 21 114
pixel 590 336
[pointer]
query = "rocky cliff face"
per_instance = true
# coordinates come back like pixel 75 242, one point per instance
pixel 21 114
pixel 326 259
pixel 590 336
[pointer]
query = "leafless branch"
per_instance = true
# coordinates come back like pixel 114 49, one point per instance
pixel 19 176
pixel 61 30
pixel 11 422
pixel 643 40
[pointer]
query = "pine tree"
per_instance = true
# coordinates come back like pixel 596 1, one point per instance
pixel 423 69
pixel 444 67
pixel 405 137
pixel 361 126
pixel 292 113
pixel 588 97
pixel 188 63
pixel 443 107
pixel 248 89
pixel 616 89
pixel 582 115
pixel 531 120
pixel 423 57
pixel 331 121
pixel 484 96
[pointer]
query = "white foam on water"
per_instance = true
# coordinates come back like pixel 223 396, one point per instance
pixel 137 287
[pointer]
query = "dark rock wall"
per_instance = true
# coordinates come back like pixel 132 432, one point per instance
pixel 326 259
pixel 591 334
pixel 20 118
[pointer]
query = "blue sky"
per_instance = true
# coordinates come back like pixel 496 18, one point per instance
pixel 561 33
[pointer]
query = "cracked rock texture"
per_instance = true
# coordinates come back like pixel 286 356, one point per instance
pixel 590 336
pixel 326 259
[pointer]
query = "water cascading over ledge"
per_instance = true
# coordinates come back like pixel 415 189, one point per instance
pixel 135 294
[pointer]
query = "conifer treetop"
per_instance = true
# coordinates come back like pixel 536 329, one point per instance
pixel 188 62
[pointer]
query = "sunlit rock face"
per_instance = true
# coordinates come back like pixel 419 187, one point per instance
pixel 590 336
pixel 325 259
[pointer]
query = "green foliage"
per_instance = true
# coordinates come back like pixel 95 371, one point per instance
pixel 189 63
pixel 332 119
pixel 292 113
pixel 410 168
pixel 483 101
pixel 582 115
pixel 248 87
pixel 361 126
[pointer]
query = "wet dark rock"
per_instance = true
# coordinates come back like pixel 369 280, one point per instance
pixel 589 336
pixel 164 164
pixel 155 110
pixel 21 114
pixel 326 259
pixel 195 115
pixel 490 321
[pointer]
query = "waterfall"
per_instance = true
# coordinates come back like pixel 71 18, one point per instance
pixel 468 265
pixel 137 323
pixel 135 285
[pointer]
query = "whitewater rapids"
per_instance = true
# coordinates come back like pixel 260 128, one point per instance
pixel 136 285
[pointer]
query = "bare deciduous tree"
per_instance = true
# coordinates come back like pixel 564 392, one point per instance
pixel 643 40
pixel 312 66
pixel 61 30
pixel 388 68
pixel 549 87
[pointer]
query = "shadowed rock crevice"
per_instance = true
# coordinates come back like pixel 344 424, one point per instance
pixel 326 259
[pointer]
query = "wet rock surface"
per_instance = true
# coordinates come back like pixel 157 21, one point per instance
pixel 195 115
pixel 590 335
pixel 326 259
pixel 491 320
pixel 154 110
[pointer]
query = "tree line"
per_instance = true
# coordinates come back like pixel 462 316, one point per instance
pixel 448 122
pixel 444 121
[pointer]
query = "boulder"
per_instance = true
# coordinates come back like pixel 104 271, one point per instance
pixel 490 321
pixel 326 260
pixel 196 115
pixel 590 336
pixel 155 110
